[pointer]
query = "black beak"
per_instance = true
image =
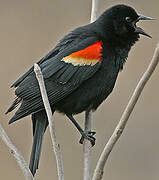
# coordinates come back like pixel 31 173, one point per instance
pixel 138 29
pixel 142 17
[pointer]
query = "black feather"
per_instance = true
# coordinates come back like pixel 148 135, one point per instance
pixel 49 55
pixel 14 105
pixel 40 123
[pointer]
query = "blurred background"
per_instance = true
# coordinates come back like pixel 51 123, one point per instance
pixel 29 29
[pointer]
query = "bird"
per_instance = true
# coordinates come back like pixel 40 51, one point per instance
pixel 79 73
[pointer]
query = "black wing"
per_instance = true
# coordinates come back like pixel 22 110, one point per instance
pixel 74 41
pixel 61 78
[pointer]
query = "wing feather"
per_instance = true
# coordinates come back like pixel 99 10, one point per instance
pixel 61 78
pixel 74 41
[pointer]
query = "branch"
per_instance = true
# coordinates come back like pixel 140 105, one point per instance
pixel 17 154
pixel 87 148
pixel 98 173
pixel 95 8
pixel 55 143
pixel 88 115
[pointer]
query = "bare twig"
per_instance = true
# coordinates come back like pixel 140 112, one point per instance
pixel 87 148
pixel 95 8
pixel 98 173
pixel 55 143
pixel 88 115
pixel 17 154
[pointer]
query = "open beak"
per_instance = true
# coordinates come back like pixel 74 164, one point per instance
pixel 140 30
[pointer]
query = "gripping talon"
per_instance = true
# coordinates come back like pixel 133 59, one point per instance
pixel 88 135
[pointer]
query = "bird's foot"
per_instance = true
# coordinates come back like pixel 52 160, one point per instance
pixel 88 135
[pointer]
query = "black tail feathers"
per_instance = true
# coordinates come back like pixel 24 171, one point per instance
pixel 40 123
pixel 14 105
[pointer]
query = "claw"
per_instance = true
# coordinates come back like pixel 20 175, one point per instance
pixel 88 135
pixel 92 133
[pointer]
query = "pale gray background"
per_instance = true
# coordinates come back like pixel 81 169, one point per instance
pixel 28 30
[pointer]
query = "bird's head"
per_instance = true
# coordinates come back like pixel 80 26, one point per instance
pixel 121 21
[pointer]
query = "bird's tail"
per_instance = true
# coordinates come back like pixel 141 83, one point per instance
pixel 40 123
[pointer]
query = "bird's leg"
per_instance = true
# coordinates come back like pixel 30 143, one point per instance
pixel 85 134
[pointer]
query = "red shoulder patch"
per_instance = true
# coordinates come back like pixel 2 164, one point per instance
pixel 93 51
pixel 88 56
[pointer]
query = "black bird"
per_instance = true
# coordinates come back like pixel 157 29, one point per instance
pixel 79 73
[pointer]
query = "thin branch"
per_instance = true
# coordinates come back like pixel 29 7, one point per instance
pixel 87 148
pixel 17 154
pixel 55 143
pixel 98 173
pixel 95 8
pixel 88 115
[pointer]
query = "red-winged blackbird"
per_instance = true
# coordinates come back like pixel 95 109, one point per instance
pixel 80 72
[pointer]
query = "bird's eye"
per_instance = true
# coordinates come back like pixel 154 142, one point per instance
pixel 128 19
